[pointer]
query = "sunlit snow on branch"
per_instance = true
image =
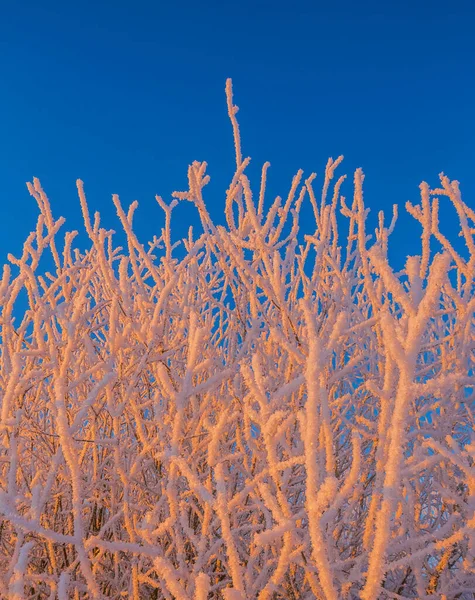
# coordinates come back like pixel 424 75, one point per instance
pixel 264 414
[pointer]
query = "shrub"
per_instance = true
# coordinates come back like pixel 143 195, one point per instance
pixel 267 416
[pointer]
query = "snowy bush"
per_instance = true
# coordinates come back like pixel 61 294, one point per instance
pixel 270 415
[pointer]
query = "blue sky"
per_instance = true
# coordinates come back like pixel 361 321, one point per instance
pixel 124 95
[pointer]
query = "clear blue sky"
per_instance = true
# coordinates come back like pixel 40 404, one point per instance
pixel 124 95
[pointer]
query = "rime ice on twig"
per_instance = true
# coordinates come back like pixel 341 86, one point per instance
pixel 270 416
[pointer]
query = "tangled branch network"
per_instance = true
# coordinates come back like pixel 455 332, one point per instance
pixel 271 415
